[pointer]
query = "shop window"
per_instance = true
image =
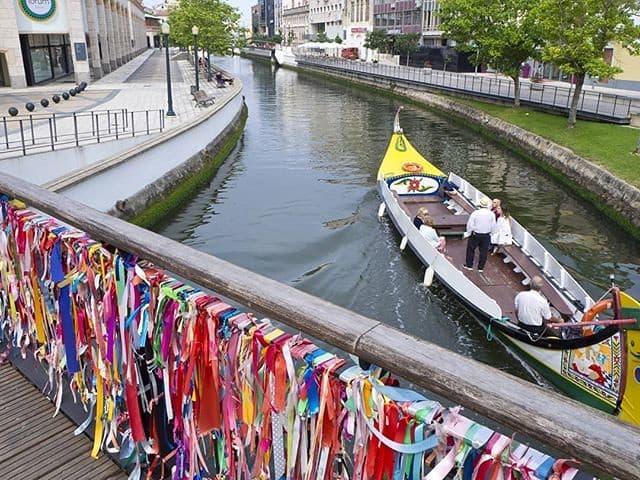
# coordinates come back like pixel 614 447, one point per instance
pixel 46 57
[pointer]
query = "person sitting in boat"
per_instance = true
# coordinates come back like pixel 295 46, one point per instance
pixel 501 236
pixel 418 220
pixel 447 188
pixel 479 227
pixel 532 309
pixel 431 235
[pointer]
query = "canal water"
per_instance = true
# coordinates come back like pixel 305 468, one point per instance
pixel 296 201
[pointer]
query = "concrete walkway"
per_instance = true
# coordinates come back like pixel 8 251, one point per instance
pixel 138 86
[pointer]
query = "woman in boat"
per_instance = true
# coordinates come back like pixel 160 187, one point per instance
pixel 496 207
pixel 418 220
pixel 430 234
pixel 501 236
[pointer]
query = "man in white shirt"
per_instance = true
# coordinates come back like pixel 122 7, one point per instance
pixel 479 227
pixel 532 309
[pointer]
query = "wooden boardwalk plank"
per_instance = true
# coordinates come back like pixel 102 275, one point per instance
pixel 35 445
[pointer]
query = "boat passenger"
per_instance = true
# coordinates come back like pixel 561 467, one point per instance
pixel 501 236
pixel 479 227
pixel 418 220
pixel 532 309
pixel 431 235
pixel 447 189
pixel 496 207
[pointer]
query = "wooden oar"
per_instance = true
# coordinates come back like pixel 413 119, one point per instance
pixel 589 324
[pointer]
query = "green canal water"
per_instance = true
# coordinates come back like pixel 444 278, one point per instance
pixel 296 201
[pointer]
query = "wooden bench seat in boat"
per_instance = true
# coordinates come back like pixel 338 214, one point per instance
pixel 445 221
pixel 530 269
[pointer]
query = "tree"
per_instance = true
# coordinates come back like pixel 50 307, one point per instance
pixel 576 34
pixel 216 20
pixel 377 40
pixel 407 43
pixel 338 39
pixel 290 37
pixel 500 33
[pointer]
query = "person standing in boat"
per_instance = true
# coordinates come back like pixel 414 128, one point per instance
pixel 479 227
pixel 496 207
pixel 501 236
pixel 532 309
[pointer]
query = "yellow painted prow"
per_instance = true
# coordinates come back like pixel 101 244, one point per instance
pixel 402 159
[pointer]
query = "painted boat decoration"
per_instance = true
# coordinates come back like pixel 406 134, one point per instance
pixel 596 361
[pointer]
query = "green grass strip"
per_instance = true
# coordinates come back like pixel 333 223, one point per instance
pixel 183 192
pixel 607 145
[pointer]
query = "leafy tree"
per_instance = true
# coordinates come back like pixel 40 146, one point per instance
pixel 338 39
pixel 577 32
pixel 290 37
pixel 407 43
pixel 377 40
pixel 499 32
pixel 321 37
pixel 216 20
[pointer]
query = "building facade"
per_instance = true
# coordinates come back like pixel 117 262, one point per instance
pixel 325 16
pixel 43 40
pixel 295 22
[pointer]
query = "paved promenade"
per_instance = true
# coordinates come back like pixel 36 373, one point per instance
pixel 138 86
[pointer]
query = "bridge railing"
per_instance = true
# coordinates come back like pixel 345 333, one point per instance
pixel 565 425
pixel 614 107
pixel 39 132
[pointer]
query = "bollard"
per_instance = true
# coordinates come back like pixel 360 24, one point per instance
pixel 44 102
pixel 30 106
pixel 56 98
pixel 13 111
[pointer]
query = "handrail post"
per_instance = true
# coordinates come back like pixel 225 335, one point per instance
pixel 55 128
pixel 33 134
pixel 133 126
pixel 146 113
pixel 109 121
pixel 24 150
pixel 6 134
pixel 75 128
pixel 615 103
pixel 98 125
pixel 93 126
pixel 115 117
pixel 51 134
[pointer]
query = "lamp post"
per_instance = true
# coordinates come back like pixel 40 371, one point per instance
pixel 165 34
pixel 194 30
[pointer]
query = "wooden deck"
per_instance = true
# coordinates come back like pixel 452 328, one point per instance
pixel 33 445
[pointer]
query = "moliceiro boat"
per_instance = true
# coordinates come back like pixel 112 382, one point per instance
pixel 593 355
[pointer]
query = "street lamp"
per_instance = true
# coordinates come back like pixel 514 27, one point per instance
pixel 165 33
pixel 194 30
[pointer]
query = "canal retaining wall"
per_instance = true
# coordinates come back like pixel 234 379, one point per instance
pixel 608 193
pixel 131 182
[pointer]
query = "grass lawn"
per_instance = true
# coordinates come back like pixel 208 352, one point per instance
pixel 610 146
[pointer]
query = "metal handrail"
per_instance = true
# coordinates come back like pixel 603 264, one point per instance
pixel 566 425
pixel 51 131
pixel 606 105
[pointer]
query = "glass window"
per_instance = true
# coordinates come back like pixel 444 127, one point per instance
pixel 407 18
pixel 56 39
pixel 41 64
pixel 38 41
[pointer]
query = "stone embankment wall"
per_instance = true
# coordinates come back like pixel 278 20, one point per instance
pixel 616 198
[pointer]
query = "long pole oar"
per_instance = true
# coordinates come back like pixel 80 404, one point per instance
pixel 589 324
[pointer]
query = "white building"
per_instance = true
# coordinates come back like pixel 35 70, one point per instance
pixel 43 40
pixel 326 16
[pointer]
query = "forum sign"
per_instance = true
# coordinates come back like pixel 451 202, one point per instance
pixel 38 9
